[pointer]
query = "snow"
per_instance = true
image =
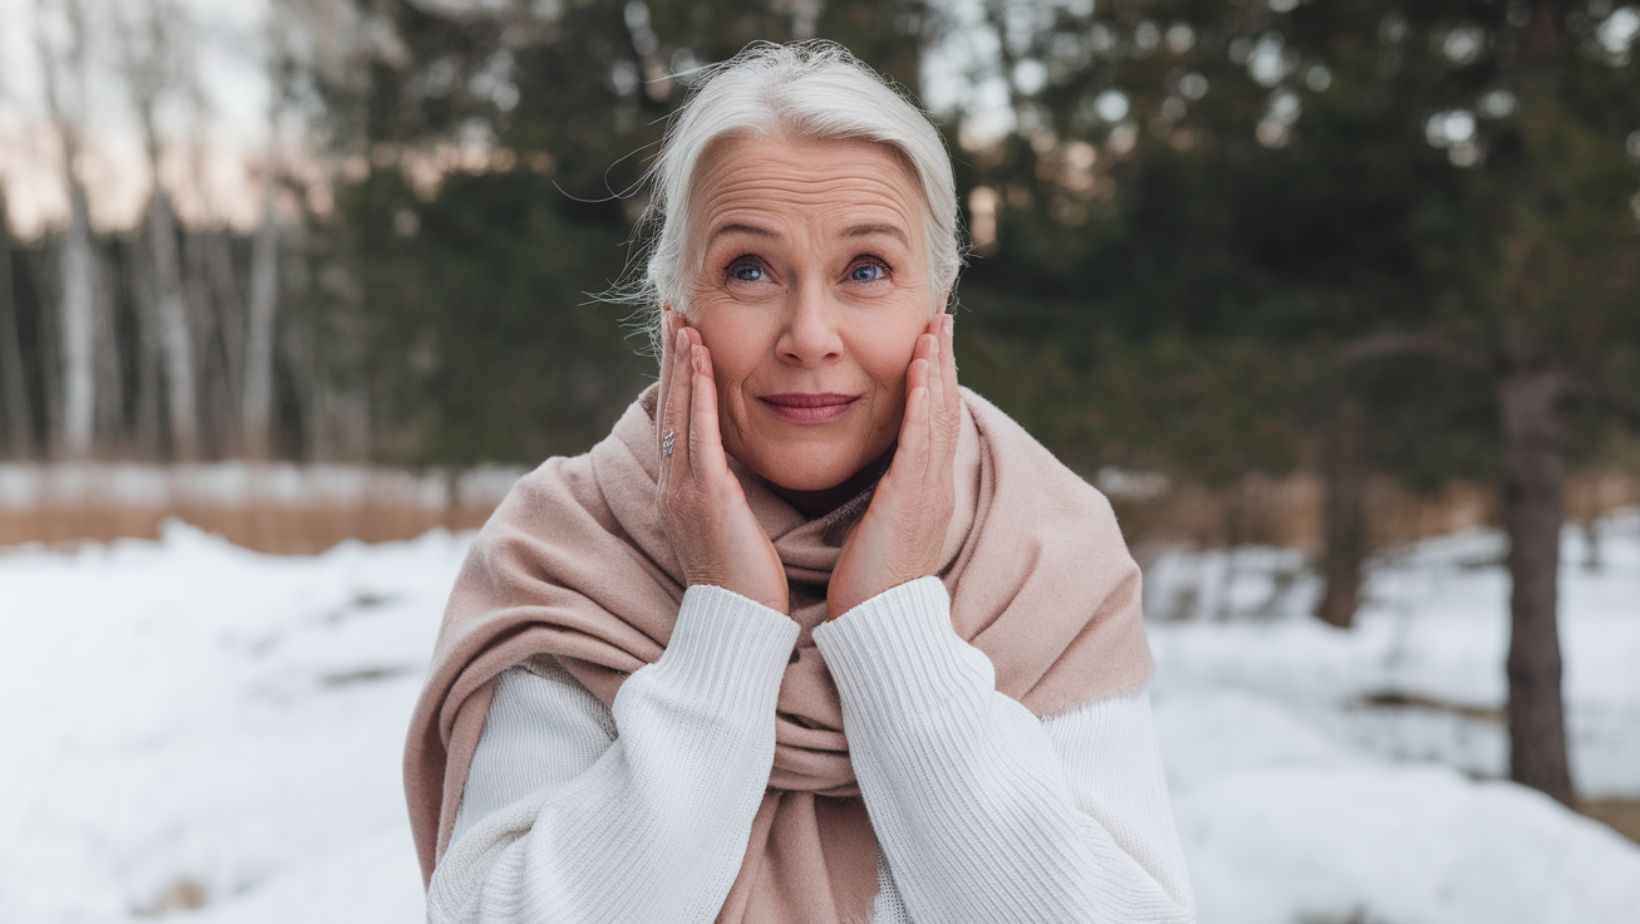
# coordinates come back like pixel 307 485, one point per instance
pixel 188 717
pixel 1434 626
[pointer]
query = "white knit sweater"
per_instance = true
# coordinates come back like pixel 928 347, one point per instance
pixel 574 812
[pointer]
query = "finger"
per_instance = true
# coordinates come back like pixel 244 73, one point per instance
pixel 936 387
pixel 910 457
pixel 950 365
pixel 930 384
pixel 677 406
pixel 908 415
pixel 668 354
pixel 953 397
pixel 706 446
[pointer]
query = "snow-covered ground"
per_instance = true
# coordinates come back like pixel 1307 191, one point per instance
pixel 187 721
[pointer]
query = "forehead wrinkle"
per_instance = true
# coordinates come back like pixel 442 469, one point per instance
pixel 874 230
pixel 853 231
pixel 751 181
pixel 723 207
pixel 810 187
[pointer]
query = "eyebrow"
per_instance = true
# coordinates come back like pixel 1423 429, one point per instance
pixel 852 231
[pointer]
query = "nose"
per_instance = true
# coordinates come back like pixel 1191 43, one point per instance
pixel 811 336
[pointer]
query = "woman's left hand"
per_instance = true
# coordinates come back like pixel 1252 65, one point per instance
pixel 900 536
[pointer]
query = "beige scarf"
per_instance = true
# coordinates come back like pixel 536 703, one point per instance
pixel 574 563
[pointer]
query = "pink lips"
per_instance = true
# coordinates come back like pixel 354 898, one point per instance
pixel 809 407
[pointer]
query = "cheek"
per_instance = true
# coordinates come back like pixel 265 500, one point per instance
pixel 734 360
pixel 885 360
pixel 732 351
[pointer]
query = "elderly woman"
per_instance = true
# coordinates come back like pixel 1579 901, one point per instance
pixel 815 634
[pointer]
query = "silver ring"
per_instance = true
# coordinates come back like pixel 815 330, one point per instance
pixel 667 440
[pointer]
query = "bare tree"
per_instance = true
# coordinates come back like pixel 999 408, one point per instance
pixel 256 411
pixel 256 408
pixel 151 64
pixel 77 305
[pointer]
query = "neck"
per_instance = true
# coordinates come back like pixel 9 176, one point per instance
pixel 824 500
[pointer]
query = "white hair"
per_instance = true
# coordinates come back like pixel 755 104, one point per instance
pixel 811 89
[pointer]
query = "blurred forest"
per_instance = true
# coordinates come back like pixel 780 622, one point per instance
pixel 1213 241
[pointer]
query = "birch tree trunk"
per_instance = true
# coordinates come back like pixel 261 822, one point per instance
pixel 171 321
pixel 77 320
pixel 150 54
pixel 148 443
pixel 256 411
pixel 76 309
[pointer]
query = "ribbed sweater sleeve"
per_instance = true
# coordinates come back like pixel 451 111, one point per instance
pixel 983 811
pixel 577 813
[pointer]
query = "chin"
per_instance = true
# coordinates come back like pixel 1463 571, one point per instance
pixel 806 474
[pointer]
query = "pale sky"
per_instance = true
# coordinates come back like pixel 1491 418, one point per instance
pixel 211 178
pixel 214 181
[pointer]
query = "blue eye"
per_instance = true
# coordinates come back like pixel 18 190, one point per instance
pixel 881 268
pixel 736 270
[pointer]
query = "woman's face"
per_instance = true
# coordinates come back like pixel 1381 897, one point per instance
pixel 815 281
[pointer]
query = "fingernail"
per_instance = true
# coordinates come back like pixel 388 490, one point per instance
pixel 950 323
pixel 683 339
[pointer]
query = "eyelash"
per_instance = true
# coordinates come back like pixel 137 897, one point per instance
pixel 750 260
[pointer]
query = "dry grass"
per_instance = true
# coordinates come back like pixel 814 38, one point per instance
pixel 1287 512
pixel 290 510
pixel 1393 698
pixel 281 529
pixel 284 509
pixel 1621 815
pixel 180 895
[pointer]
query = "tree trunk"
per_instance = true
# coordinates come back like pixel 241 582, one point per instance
pixel 1533 510
pixel 13 384
pixel 109 435
pixel 296 353
pixel 47 351
pixel 171 314
pixel 148 444
pixel 77 317
pixel 1344 480
pixel 256 411
pixel 74 430
pixel 304 375
pixel 222 322
pixel 1591 540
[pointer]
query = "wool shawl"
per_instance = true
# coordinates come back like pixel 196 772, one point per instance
pixel 574 564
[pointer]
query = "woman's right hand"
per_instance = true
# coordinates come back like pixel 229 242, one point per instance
pixel 703 509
